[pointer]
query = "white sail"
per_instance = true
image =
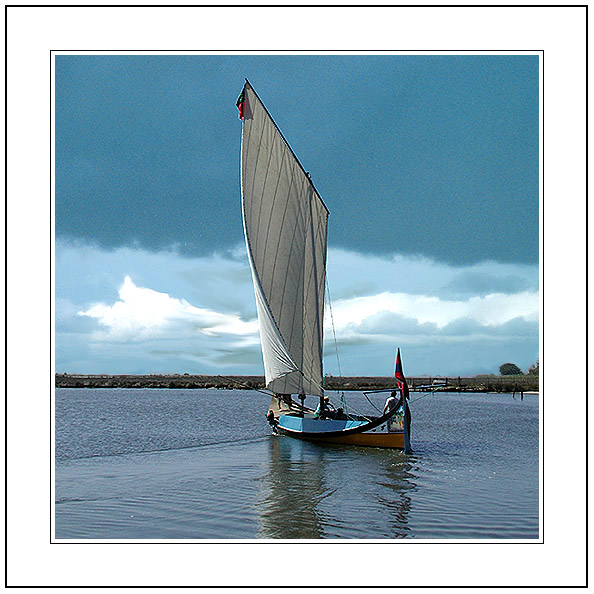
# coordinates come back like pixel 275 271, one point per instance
pixel 285 224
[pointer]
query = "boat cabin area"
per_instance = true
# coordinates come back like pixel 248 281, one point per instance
pixel 283 404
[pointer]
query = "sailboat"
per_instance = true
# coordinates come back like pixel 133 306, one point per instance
pixel 285 225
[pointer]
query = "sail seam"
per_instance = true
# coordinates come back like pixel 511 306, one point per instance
pixel 317 331
pixel 288 343
pixel 300 282
pixel 282 225
pixel 307 280
pixel 321 284
pixel 255 171
pixel 282 231
pixel 259 217
pixel 251 249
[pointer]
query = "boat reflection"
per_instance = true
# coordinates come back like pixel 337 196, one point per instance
pixel 311 491
pixel 291 491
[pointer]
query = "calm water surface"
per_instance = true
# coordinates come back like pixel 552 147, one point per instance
pixel 202 464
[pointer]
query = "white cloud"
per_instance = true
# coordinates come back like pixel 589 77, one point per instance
pixel 490 310
pixel 143 313
pixel 198 314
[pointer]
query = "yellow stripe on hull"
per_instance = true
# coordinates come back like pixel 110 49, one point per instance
pixel 376 440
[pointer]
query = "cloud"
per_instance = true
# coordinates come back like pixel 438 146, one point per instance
pixel 479 280
pixel 490 310
pixel 354 274
pixel 145 312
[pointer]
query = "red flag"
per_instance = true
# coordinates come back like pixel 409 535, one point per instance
pixel 241 104
pixel 398 373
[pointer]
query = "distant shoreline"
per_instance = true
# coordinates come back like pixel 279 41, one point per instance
pixel 505 383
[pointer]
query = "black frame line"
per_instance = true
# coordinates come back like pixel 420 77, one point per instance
pixel 52 52
pixel 296 6
pixel 388 541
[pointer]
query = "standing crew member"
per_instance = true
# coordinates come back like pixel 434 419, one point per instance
pixel 390 402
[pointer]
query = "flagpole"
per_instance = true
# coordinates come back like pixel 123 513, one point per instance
pixel 399 375
pixel 407 448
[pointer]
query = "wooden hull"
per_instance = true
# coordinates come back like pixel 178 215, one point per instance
pixel 371 439
pixel 383 432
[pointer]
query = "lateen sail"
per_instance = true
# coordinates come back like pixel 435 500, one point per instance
pixel 285 223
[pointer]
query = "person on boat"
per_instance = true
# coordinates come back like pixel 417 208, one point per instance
pixel 272 421
pixel 324 408
pixel 340 414
pixel 390 402
pixel 319 408
pixel 329 411
pixel 284 401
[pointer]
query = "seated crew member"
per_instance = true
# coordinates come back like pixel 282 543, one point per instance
pixel 324 409
pixel 319 408
pixel 328 411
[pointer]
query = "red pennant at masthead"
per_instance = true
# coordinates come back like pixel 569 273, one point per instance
pixel 241 104
pixel 398 373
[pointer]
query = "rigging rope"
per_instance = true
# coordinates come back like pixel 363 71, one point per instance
pixel 342 400
pixel 368 400
pixel 424 395
pixel 226 377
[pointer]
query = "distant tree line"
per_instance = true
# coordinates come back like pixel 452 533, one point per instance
pixel 513 369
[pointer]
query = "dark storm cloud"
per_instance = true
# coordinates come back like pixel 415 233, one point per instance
pixel 433 155
pixel 484 282
pixel 146 153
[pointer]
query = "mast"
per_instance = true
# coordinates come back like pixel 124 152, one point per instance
pixel 285 224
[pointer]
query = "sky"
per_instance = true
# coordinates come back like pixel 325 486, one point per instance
pixel 428 165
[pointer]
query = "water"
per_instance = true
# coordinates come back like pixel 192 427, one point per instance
pixel 202 464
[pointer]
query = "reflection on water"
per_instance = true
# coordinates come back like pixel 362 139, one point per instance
pixel 159 464
pixel 291 491
pixel 397 502
pixel 310 491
